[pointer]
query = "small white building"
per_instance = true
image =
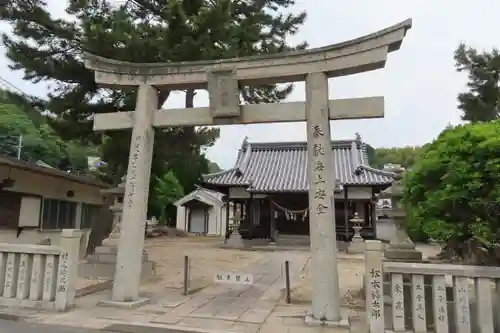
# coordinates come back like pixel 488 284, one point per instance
pixel 202 211
pixel 37 202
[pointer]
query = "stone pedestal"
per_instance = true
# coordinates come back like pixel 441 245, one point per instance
pixel 401 247
pixel 235 241
pixel 102 264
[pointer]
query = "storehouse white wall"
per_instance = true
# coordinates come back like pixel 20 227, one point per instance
pixel 202 211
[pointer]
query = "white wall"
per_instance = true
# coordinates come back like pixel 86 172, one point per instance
pixel 216 219
pixel 356 193
pixel 50 186
pixel 213 221
pixel 240 193
pixel 29 215
pixel 181 218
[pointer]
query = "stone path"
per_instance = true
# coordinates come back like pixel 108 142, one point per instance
pixel 243 303
pixel 238 308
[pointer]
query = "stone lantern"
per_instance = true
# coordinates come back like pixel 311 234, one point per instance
pixel 235 240
pixel 401 247
pixel 357 244
pixel 102 263
pixel 116 209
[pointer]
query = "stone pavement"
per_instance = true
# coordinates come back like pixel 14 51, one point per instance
pixel 218 308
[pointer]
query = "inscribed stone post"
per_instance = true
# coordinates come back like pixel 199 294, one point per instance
pixel 24 274
pixel 132 227
pixel 10 284
pixel 67 272
pixel 373 287
pixel 36 282
pixel 326 302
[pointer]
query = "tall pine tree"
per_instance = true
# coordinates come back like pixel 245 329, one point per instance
pixel 482 101
pixel 50 49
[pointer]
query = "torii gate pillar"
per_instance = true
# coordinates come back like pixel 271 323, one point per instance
pixel 222 78
pixel 323 239
pixel 135 202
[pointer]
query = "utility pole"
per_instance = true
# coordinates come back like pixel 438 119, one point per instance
pixel 19 146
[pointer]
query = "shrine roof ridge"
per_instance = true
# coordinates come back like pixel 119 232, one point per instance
pixel 282 167
pixel 371 48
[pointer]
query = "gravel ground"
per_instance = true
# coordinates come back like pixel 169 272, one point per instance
pixel 206 260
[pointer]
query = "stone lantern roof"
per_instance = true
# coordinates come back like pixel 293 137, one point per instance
pixel 119 190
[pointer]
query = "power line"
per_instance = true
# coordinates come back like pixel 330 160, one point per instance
pixel 6 142
pixel 5 82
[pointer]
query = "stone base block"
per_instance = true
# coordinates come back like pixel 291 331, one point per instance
pixel 356 247
pixel 235 241
pixel 106 249
pixel 402 254
pixel 109 249
pixel 124 305
pixel 107 270
pixel 105 258
pixel 342 323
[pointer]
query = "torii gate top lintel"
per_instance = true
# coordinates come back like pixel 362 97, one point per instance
pixel 349 57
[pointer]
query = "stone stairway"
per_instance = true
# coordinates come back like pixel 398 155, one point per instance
pixel 292 240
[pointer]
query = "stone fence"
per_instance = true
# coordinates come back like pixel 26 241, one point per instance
pixel 423 297
pixel 40 276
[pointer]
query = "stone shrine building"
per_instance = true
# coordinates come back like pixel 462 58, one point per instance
pixel 269 186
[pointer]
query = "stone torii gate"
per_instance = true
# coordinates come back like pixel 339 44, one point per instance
pixel 222 79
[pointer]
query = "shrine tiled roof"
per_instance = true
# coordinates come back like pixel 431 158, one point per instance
pixel 282 167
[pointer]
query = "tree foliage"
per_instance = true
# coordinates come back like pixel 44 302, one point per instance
pixel 213 167
pixel 404 156
pixel 453 190
pixel 167 191
pixel 482 101
pixel 51 50
pixel 37 143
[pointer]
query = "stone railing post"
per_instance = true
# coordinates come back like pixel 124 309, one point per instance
pixel 374 286
pixel 67 272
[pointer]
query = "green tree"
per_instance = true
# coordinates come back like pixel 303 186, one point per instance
pixel 167 191
pixel 38 143
pixel 405 156
pixel 482 101
pixel 49 49
pixel 213 167
pixel 454 194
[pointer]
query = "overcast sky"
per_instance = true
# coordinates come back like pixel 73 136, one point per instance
pixel 419 82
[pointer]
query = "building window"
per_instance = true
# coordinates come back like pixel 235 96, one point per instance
pixel 88 213
pixel 58 214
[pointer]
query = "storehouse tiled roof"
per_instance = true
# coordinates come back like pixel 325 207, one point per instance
pixel 282 167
